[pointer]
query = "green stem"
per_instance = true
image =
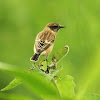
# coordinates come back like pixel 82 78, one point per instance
pixel 57 88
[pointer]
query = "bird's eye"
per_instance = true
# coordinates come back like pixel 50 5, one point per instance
pixel 55 26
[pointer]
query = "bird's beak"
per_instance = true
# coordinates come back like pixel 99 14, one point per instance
pixel 62 26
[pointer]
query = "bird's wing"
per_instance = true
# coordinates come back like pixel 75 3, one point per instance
pixel 43 41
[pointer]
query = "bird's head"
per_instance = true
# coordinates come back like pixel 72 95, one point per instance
pixel 54 26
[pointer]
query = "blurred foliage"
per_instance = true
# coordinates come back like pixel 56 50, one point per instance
pixel 12 84
pixel 93 97
pixel 21 20
pixel 41 84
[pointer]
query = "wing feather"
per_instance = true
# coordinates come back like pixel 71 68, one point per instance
pixel 44 40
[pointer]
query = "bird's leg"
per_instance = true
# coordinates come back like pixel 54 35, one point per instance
pixel 34 64
pixel 47 71
pixel 47 61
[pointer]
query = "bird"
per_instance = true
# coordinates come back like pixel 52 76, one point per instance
pixel 44 41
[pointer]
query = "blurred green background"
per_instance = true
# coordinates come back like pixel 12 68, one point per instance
pixel 21 20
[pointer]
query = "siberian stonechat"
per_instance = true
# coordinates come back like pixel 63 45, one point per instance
pixel 45 40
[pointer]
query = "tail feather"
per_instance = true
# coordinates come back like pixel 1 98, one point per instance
pixel 35 57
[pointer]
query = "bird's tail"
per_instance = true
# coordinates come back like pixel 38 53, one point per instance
pixel 35 57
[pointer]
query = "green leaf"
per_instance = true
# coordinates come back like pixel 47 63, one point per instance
pixel 5 96
pixel 12 84
pixel 65 87
pixel 43 65
pixel 7 67
pixel 93 97
pixel 53 73
pixel 60 54
pixel 38 83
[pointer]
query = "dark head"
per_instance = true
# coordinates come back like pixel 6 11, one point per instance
pixel 54 26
